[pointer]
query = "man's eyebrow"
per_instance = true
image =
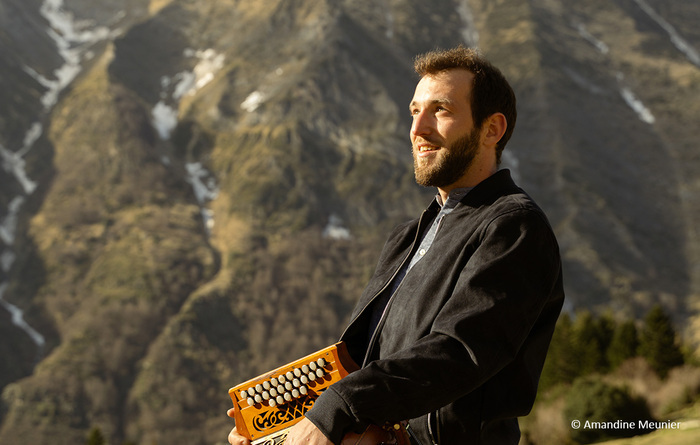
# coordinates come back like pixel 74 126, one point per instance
pixel 443 101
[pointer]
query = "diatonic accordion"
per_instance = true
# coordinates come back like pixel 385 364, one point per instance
pixel 266 406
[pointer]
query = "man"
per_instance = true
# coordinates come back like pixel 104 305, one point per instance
pixel 453 328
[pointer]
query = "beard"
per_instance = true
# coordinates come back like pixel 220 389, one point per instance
pixel 450 164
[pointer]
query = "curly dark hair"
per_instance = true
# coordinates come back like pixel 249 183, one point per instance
pixel 491 92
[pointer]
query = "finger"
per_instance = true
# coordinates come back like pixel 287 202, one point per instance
pixel 230 412
pixel 234 438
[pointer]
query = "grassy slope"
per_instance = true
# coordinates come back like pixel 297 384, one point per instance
pixel 688 434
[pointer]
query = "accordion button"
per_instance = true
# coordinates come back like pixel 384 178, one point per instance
pixel 288 397
pixel 250 401
pixel 289 375
pixel 321 362
pixel 279 400
pixel 272 403
pixel 304 379
pixel 297 372
pixel 258 388
pixel 266 385
pixel 281 379
pixel 274 381
pixel 273 392
pixel 244 394
pixel 312 377
pixel 303 390
pixel 266 395
pixel 296 383
pixel 319 373
pixel 288 386
pixel 305 369
pixel 258 398
pixel 312 366
pixel 295 393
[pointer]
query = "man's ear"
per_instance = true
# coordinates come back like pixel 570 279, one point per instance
pixel 494 128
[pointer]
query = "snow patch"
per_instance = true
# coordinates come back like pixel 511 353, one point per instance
pixel 335 230
pixel 30 137
pixel 205 190
pixel 676 39
pixel 210 62
pixel 583 32
pixel 14 164
pixel 7 259
pixel 202 181
pixel 8 226
pixel 184 83
pixel 72 40
pixel 253 101
pixel 18 318
pixel 164 119
pixel 643 112
pixel 469 31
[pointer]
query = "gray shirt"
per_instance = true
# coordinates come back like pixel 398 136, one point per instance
pixel 454 197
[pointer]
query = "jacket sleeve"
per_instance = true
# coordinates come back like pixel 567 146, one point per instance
pixel 497 298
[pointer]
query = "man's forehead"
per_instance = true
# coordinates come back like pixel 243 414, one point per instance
pixel 444 86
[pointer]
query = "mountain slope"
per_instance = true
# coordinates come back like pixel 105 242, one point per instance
pixel 195 192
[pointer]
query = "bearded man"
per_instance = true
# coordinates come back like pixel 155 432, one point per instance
pixel 452 330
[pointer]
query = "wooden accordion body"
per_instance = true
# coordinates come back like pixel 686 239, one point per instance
pixel 265 407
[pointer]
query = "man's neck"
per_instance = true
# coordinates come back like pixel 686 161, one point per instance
pixel 467 181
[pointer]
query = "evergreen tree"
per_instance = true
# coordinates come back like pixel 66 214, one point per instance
pixel 590 341
pixel 657 342
pixel 624 344
pixel 605 331
pixel 95 437
pixel 560 365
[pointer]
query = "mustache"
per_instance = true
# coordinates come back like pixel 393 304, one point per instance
pixel 426 141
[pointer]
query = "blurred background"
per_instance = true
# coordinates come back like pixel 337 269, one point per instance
pixel 194 192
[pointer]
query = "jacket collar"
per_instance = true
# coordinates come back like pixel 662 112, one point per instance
pixel 487 191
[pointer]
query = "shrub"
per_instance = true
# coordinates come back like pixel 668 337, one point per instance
pixel 592 400
pixel 95 437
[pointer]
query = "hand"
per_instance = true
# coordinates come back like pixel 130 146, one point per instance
pixel 233 437
pixel 306 433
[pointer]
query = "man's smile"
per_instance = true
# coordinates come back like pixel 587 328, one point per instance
pixel 424 149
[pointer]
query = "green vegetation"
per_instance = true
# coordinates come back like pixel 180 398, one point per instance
pixel 95 437
pixel 658 342
pixel 598 345
pixel 592 399
pixel 620 376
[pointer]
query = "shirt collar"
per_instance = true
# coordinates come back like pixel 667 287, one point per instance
pixel 453 197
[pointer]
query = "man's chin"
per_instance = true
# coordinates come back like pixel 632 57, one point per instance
pixel 426 179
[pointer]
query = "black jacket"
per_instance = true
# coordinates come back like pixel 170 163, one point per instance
pixel 463 340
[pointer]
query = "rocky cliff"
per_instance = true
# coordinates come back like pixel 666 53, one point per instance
pixel 193 192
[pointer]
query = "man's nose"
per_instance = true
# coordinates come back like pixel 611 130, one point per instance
pixel 422 124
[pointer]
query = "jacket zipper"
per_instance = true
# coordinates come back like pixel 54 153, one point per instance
pixel 370 345
pixel 432 433
pixel 375 334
